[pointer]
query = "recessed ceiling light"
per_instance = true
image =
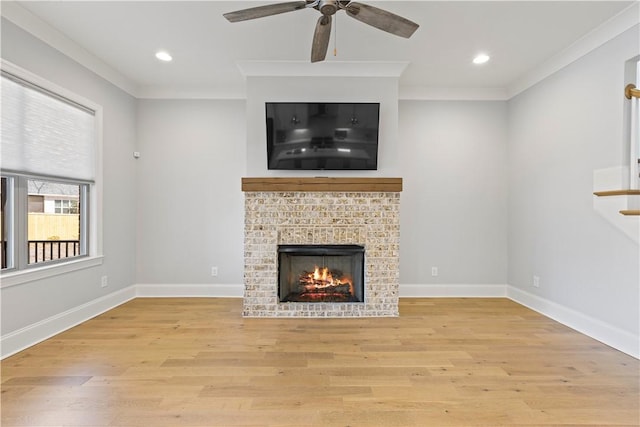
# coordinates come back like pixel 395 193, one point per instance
pixel 481 59
pixel 163 56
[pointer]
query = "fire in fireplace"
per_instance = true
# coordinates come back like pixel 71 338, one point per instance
pixel 321 273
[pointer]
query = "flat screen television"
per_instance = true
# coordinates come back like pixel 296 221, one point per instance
pixel 322 135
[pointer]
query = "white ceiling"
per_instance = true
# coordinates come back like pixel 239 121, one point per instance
pixel 519 35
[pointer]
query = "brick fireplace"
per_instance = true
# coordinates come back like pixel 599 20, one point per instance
pixel 321 211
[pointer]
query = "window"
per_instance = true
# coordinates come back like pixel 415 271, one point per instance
pixel 48 173
pixel 54 225
pixel 5 222
pixel 66 206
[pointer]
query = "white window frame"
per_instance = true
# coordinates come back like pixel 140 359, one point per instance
pixel 18 258
pixel 93 215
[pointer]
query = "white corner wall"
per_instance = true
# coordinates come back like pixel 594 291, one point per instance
pixel 28 304
pixel 190 204
pixel 453 157
pixel 560 131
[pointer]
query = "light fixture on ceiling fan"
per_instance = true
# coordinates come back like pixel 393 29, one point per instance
pixel 378 18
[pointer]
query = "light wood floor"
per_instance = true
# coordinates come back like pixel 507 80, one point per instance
pixel 197 362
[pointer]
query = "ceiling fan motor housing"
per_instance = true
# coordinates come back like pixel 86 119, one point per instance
pixel 328 7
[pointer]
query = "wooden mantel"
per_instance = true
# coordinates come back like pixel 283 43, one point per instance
pixel 360 185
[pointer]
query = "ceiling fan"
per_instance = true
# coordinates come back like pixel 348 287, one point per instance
pixel 376 17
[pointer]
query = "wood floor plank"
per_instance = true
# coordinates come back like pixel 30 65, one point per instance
pixel 196 362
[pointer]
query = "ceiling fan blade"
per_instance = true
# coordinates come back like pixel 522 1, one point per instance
pixel 262 11
pixel 321 38
pixel 381 19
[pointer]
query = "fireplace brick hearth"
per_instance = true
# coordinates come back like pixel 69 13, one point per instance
pixel 328 217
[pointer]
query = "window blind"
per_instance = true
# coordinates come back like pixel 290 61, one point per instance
pixel 45 134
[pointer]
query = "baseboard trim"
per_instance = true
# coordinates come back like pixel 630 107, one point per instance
pixel 409 290
pixel 149 290
pixel 612 336
pixel 21 339
pixel 607 334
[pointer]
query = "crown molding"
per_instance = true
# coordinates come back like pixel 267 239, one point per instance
pixel 424 93
pixel 226 93
pixel 322 69
pixel 57 40
pixel 623 21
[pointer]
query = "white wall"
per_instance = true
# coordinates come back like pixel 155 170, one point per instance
pixel 452 156
pixel 29 303
pixel 193 154
pixel 560 131
pixel 454 203
pixel 190 204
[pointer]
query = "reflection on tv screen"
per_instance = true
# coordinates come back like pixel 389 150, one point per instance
pixel 322 136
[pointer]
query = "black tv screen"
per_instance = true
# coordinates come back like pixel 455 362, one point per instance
pixel 322 135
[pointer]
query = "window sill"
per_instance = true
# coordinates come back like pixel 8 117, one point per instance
pixel 15 278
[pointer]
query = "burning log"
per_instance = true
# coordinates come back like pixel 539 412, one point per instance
pixel 322 285
pixel 323 280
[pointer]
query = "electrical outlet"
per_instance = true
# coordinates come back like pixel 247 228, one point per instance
pixel 434 271
pixel 104 282
pixel 214 271
pixel 536 281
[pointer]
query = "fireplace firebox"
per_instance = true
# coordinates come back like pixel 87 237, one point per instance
pixel 321 273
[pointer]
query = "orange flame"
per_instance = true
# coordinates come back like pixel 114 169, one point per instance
pixel 322 278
